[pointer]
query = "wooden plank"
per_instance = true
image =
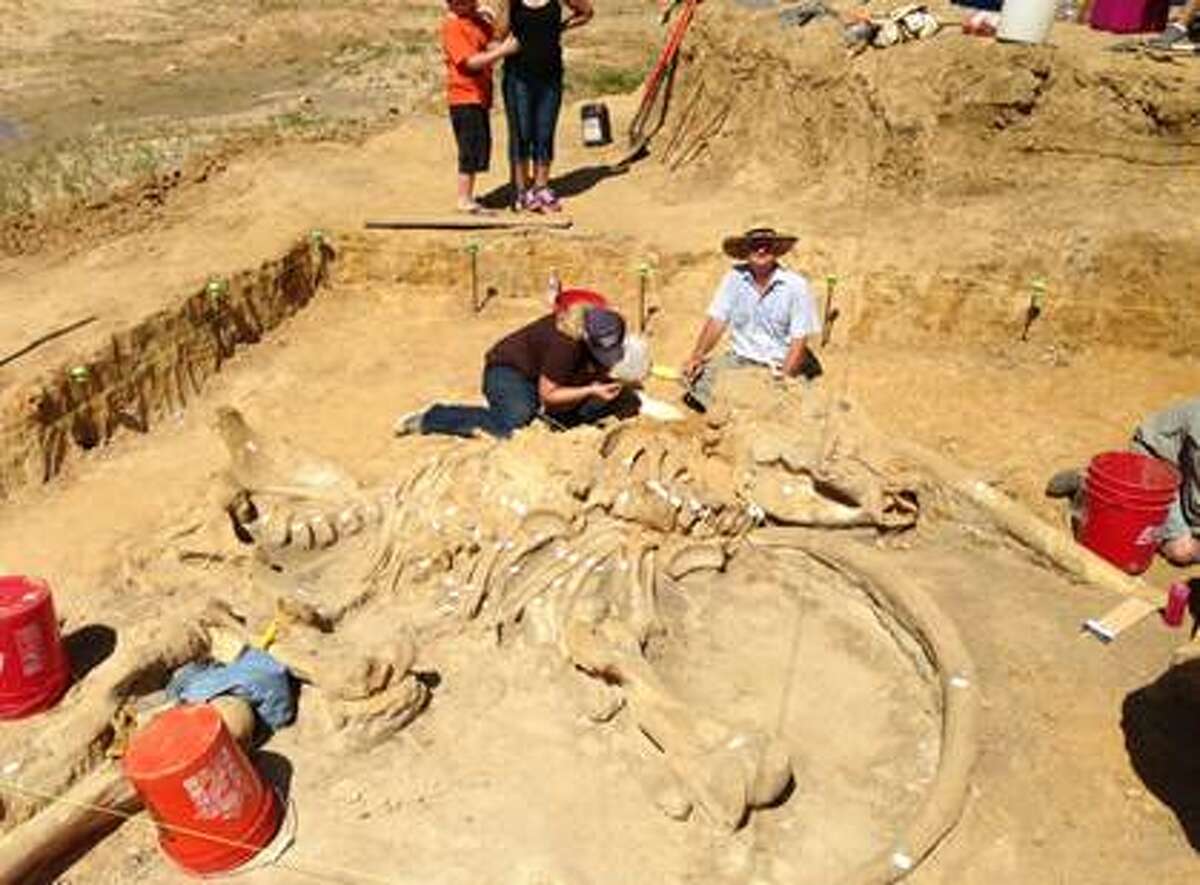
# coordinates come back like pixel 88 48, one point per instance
pixel 1110 625
pixel 469 222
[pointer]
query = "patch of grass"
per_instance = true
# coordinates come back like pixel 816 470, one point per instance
pixel 84 168
pixel 605 80
pixel 297 120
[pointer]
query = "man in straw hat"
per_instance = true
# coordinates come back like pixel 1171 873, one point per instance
pixel 768 311
pixel 558 366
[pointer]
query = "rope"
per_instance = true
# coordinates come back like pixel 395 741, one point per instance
pixel 326 872
pixel 789 679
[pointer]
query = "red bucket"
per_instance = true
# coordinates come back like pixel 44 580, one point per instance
pixel 568 298
pixel 33 666
pixel 1126 498
pixel 214 810
pixel 1136 474
pixel 1141 498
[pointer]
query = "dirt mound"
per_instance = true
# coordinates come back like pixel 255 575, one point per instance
pixel 951 116
pixel 939 178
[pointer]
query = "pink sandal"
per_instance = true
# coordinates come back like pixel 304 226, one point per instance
pixel 547 199
pixel 528 201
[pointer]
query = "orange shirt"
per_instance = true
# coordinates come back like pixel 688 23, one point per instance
pixel 461 38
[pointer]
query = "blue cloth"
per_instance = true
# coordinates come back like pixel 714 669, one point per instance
pixel 512 403
pixel 763 324
pixel 531 106
pixel 255 676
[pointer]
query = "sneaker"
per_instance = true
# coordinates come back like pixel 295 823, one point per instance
pixel 547 199
pixel 527 201
pixel 1174 33
pixel 1064 484
pixel 409 424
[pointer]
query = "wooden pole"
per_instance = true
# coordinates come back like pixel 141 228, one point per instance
pixel 49 336
pixel 643 275
pixel 473 251
pixel 471 222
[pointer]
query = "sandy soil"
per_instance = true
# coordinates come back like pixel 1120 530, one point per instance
pixel 499 781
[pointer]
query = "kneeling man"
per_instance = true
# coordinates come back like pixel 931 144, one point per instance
pixel 768 311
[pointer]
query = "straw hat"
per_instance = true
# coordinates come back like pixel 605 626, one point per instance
pixel 739 247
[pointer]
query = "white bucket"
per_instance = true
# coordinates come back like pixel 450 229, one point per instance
pixel 1026 21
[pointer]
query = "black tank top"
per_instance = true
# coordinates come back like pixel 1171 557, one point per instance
pixel 540 34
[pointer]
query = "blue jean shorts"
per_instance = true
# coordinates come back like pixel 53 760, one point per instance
pixel 531 105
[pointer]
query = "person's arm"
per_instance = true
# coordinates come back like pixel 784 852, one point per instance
pixel 719 312
pixel 480 60
pixel 710 334
pixel 557 365
pixel 560 396
pixel 795 357
pixel 581 14
pixel 802 322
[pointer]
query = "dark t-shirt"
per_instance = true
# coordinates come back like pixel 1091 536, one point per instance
pixel 541 349
pixel 540 34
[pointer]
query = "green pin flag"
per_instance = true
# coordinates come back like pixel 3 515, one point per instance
pixel 216 289
pixel 79 373
pixel 316 236
pixel 1037 298
pixel 830 312
pixel 1037 293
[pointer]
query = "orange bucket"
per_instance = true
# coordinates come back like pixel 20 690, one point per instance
pixel 213 809
pixel 33 666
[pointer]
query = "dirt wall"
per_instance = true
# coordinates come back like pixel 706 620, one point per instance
pixel 943 177
pixel 151 370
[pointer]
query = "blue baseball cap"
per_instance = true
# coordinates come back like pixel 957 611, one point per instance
pixel 604 332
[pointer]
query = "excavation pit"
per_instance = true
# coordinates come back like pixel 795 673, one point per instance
pixel 943 184
pixel 519 739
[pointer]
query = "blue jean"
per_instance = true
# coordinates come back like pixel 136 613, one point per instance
pixel 531 105
pixel 512 403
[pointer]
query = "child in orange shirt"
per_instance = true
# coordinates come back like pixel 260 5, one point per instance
pixel 466 35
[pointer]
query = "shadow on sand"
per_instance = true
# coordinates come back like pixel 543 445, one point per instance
pixel 572 184
pixel 1161 722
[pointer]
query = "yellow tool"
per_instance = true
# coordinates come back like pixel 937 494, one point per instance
pixel 667 373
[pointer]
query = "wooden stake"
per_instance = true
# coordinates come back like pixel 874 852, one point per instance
pixel 643 276
pixel 473 251
pixel 1110 624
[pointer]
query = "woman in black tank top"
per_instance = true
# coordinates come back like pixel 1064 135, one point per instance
pixel 532 87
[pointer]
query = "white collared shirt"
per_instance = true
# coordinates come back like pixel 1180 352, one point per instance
pixel 763 325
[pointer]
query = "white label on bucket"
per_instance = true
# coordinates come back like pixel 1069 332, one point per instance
pixel 30 649
pixel 219 790
pixel 592 133
pixel 1147 537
